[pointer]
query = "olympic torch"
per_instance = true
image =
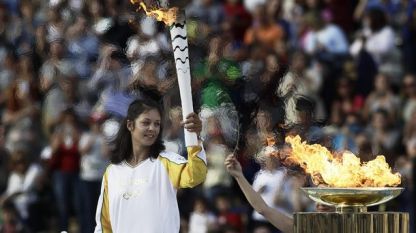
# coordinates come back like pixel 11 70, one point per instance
pixel 175 19
pixel 180 52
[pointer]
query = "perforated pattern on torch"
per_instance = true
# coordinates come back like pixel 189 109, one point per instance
pixel 180 50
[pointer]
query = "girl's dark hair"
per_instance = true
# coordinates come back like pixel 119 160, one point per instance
pixel 123 149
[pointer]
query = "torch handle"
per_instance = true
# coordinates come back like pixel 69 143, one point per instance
pixel 180 51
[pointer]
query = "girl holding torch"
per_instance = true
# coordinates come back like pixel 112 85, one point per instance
pixel 138 192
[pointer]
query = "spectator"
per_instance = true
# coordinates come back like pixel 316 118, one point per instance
pixel 384 136
pixel 201 219
pixel 174 135
pixel 22 186
pixel 378 39
pixel 226 215
pixel 7 74
pixel 82 46
pixel 55 81
pixel 382 97
pixel 94 159
pixel 11 219
pixel 345 102
pixel 209 13
pixel 237 18
pixel 409 130
pixel 268 182
pixel 64 165
pixel 325 40
pixel 264 31
pixel 409 90
pixel 217 75
pixel 23 108
pixel 217 180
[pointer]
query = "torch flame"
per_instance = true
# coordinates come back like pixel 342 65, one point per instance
pixel 168 16
pixel 339 171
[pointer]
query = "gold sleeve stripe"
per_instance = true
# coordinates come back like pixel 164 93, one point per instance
pixel 105 212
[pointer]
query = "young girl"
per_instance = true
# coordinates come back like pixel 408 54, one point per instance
pixel 138 192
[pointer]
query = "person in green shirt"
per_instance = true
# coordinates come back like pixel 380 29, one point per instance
pixel 216 77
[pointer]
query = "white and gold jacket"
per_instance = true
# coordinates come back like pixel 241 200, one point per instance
pixel 143 198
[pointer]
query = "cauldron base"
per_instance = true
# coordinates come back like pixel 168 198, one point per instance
pixel 350 222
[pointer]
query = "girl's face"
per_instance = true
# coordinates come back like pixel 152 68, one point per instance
pixel 146 128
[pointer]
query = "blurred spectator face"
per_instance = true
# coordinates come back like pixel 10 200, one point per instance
pixel 258 53
pixel 25 64
pixel 411 148
pixel 95 8
pixel 19 162
pixel 376 19
pixel 56 49
pixel 314 21
pixel 364 147
pixel 81 24
pixel 222 204
pixel 305 118
pixel 9 61
pixel 272 7
pixel 148 73
pixel 213 127
pixel 3 13
pixel 352 119
pixel 271 163
pixel 215 50
pixel 53 15
pixel 260 15
pixel 27 9
pixel 381 84
pixel 199 206
pixel 298 62
pixel 272 63
pixel 409 85
pixel 344 88
pixel 379 120
pixel 147 28
pixel 175 116
pixel 68 118
pixel 67 85
pixel 10 216
pixel 40 33
pixel 23 91
pixel 263 120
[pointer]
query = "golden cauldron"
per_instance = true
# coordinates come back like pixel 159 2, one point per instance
pixel 351 214
pixel 352 199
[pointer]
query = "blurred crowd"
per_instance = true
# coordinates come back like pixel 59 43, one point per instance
pixel 343 71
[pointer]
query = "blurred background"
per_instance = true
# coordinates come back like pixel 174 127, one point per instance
pixel 346 66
